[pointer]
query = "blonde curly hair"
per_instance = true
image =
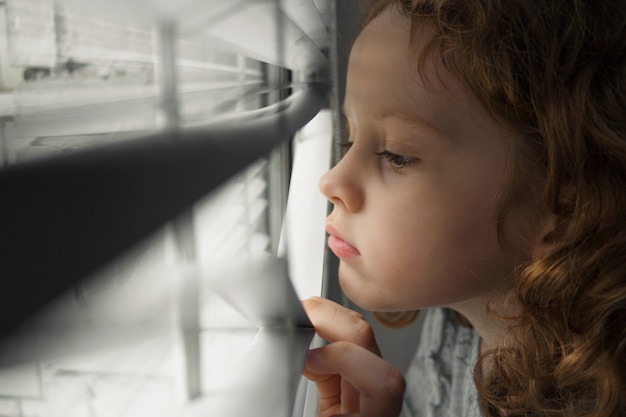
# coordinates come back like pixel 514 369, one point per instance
pixel 554 72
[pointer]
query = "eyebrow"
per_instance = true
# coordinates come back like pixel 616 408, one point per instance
pixel 405 116
pixel 396 113
pixel 401 114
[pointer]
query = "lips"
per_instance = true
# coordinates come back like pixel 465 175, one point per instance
pixel 339 246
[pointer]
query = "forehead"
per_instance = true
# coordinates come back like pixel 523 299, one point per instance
pixel 383 78
pixel 380 51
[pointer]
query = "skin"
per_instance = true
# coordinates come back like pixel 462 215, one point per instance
pixel 414 221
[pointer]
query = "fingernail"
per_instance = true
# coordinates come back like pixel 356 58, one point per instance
pixel 312 357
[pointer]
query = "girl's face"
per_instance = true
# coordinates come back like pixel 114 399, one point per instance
pixel 414 220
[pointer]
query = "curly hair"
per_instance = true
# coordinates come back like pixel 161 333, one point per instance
pixel 554 72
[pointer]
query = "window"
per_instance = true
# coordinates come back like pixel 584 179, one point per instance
pixel 145 334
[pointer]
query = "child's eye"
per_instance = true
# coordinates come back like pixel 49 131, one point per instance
pixel 397 162
pixel 345 147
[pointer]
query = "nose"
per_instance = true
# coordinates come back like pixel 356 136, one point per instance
pixel 342 187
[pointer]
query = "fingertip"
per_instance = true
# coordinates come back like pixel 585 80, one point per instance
pixel 395 384
pixel 312 301
pixel 312 359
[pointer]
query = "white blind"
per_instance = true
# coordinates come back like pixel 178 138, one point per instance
pixel 80 74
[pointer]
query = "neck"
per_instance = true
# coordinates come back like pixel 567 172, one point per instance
pixel 488 325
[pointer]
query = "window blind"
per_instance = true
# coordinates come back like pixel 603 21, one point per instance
pixel 86 82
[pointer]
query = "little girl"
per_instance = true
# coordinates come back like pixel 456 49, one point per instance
pixel 485 183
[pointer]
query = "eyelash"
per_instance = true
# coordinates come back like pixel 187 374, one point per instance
pixel 345 147
pixel 396 162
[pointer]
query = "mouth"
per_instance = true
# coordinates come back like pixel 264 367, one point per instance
pixel 340 247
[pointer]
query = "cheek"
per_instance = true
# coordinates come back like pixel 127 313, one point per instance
pixel 439 254
pixel 445 242
pixel 446 270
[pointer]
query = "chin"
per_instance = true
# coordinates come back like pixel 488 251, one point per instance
pixel 359 295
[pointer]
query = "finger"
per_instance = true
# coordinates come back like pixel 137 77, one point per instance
pixel 320 300
pixel 379 384
pixel 349 397
pixel 334 393
pixel 334 322
pixel 328 391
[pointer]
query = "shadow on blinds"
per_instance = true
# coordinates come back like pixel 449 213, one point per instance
pixel 134 140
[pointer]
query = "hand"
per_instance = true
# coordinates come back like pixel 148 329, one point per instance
pixel 351 377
